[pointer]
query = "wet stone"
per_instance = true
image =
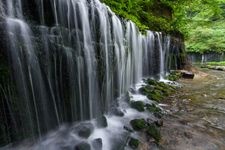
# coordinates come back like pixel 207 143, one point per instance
pixel 101 122
pixel 84 130
pixel 128 128
pixel 133 143
pixel 97 144
pixel 118 112
pixel 187 75
pixel 159 123
pixel 82 146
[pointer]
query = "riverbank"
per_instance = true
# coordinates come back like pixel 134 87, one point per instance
pixel 196 114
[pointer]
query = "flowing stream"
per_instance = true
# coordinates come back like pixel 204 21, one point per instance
pixel 196 118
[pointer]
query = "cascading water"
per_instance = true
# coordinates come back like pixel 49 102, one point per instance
pixel 70 62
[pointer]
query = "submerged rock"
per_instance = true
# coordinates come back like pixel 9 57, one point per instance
pixel 128 129
pixel 84 130
pixel 82 146
pixel 117 112
pixel 101 122
pixel 97 144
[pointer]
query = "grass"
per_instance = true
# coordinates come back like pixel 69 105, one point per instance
pixel 220 63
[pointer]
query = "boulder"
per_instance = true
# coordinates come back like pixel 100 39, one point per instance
pixel 82 146
pixel 117 112
pixel 133 143
pixel 97 144
pixel 128 128
pixel 84 130
pixel 138 124
pixel 101 122
pixel 138 105
pixel 187 75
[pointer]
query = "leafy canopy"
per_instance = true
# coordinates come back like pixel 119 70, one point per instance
pixel 202 22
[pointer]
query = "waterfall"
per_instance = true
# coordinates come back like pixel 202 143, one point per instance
pixel 70 60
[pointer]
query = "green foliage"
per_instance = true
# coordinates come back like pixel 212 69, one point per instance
pixel 204 26
pixel 221 63
pixel 146 14
pixel 200 21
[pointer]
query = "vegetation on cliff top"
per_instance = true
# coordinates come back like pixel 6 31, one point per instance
pixel 200 21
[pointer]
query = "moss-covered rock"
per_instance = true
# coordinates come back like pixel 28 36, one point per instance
pixel 152 82
pixel 138 124
pixel 138 105
pixel 156 91
pixel 134 143
pixel 153 108
pixel 155 95
pixel 154 132
pixel 174 76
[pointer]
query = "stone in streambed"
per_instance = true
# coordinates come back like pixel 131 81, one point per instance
pixel 153 108
pixel 97 144
pixel 133 143
pixel 117 112
pixel 128 129
pixel 154 132
pixel 82 146
pixel 101 122
pixel 84 130
pixel 138 105
pixel 159 123
pixel 138 124
pixel 187 75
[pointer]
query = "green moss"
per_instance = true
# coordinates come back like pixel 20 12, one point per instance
pixel 153 108
pixel 156 91
pixel 155 95
pixel 152 82
pixel 154 132
pixel 133 143
pixel 138 105
pixel 138 124
pixel 174 76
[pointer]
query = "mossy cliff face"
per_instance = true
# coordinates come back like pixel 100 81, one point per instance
pixel 178 57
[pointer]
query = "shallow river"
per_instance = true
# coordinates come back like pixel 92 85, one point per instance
pixel 196 114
